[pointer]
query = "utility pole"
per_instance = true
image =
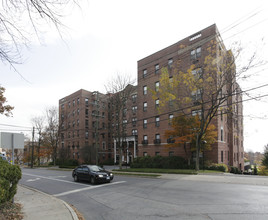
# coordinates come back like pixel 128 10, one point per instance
pixel 32 159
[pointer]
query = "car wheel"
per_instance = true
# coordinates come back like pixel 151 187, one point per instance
pixel 92 180
pixel 76 178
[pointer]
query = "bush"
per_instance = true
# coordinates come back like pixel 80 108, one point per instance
pixel 173 162
pixel 218 166
pixel 107 162
pixel 9 178
pixel 255 171
pixel 68 162
pixel 263 171
pixel 235 170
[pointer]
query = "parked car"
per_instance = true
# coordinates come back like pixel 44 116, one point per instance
pixel 92 173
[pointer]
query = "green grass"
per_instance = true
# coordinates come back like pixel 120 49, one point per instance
pixel 167 171
pixel 136 174
pixel 156 170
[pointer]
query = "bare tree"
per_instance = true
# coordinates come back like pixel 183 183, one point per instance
pixel 20 19
pixel 51 134
pixel 119 90
pixel 38 123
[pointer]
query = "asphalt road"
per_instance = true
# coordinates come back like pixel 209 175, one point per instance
pixel 171 197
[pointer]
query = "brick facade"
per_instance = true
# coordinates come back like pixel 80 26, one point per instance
pixel 145 125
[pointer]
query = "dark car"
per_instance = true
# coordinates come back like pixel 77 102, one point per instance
pixel 92 173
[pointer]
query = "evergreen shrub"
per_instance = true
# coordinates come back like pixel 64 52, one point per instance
pixel 9 178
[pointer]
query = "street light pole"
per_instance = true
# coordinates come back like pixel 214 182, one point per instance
pixel 32 159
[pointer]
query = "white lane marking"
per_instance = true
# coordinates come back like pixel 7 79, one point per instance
pixel 87 188
pixel 57 176
pixel 49 178
pixel 32 180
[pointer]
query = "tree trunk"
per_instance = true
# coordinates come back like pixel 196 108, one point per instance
pixel 197 153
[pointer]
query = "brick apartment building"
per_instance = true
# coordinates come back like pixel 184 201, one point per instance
pixel 87 122
pixel 145 126
pixel 228 148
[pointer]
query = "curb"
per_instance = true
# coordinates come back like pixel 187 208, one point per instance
pixel 70 209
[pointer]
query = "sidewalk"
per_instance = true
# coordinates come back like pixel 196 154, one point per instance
pixel 41 206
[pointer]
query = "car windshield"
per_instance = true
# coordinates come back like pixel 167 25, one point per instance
pixel 95 168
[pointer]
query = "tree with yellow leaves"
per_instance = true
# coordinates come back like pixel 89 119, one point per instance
pixel 183 132
pixel 206 89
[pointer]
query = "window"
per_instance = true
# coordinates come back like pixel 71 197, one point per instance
pixel 124 112
pixel 86 123
pixel 86 101
pixel 69 104
pixel 156 68
pixel 196 53
pixel 134 132
pixel 78 111
pixel 86 112
pixel 78 101
pixel 73 102
pixel 157 139
pixel 134 98
pixel 134 109
pixel 197 73
pixel 157 153
pixel 171 153
pixel 134 121
pixel 170 62
pixel 62 107
pixel 170 140
pixel 221 156
pixel 221 116
pixel 221 133
pixel 144 73
pixel 145 154
pixel 157 121
pixel 77 123
pixel 103 145
pixel 144 123
pixel 145 139
pixel 145 106
pixel 196 95
pixel 170 117
pixel 86 134
pixel 157 103
pixel 196 112
pixel 144 90
pixel 157 84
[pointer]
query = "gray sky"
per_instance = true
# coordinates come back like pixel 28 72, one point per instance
pixel 106 37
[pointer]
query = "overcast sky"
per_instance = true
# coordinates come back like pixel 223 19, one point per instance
pixel 105 37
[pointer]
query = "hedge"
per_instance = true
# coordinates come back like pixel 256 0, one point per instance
pixel 218 166
pixel 9 178
pixel 173 162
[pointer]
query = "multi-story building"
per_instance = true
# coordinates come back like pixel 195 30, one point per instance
pixel 90 119
pixel 89 124
pixel 83 126
pixel 178 58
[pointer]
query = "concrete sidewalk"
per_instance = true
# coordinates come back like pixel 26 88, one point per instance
pixel 41 206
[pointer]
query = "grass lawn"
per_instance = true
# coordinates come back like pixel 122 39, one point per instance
pixel 168 171
pixel 156 170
